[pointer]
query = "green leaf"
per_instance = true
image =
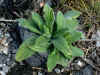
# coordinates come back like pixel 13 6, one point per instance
pixel 67 21
pixel 38 20
pixel 73 36
pixel 77 51
pixel 32 45
pixel 62 45
pixel 62 32
pixel 72 24
pixel 73 14
pixel 60 20
pixel 27 23
pixel 56 58
pixel 24 51
pixel 41 44
pixel 52 60
pixel 49 17
pixel 62 60
pixel 47 32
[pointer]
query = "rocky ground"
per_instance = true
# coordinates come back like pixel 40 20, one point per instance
pixel 12 35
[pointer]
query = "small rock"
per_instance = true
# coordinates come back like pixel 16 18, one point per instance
pixel 88 70
pixel 57 70
pixel 36 59
pixel 1 1
pixel 8 48
pixel 80 63
pixel 2 73
pixel 39 73
pixel 98 38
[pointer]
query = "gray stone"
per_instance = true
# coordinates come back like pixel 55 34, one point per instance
pixel 57 70
pixel 39 73
pixel 88 70
pixel 96 36
pixel 24 33
pixel 1 1
pixel 8 48
pixel 37 59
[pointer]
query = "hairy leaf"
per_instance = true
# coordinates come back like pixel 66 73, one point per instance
pixel 73 36
pixel 47 32
pixel 49 16
pixel 76 51
pixel 41 44
pixel 56 58
pixel 24 51
pixel 27 23
pixel 62 45
pixel 52 60
pixel 62 60
pixel 72 24
pixel 38 20
pixel 60 20
pixel 73 14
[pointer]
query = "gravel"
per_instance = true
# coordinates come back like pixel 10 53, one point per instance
pixel 36 59
pixel 88 70
pixel 8 48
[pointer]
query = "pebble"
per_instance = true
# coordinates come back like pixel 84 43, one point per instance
pixel 57 70
pixel 7 46
pixel 80 63
pixel 39 73
pixel 87 70
pixel 2 73
pixel 97 37
pixel 37 59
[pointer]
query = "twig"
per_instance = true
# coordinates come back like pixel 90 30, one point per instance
pixel 89 40
pixel 39 69
pixel 4 20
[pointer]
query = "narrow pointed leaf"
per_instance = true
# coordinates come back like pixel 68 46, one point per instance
pixel 27 23
pixel 60 20
pixel 52 61
pixel 62 45
pixel 24 51
pixel 38 20
pixel 41 44
pixel 47 32
pixel 49 16
pixel 62 60
pixel 56 58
